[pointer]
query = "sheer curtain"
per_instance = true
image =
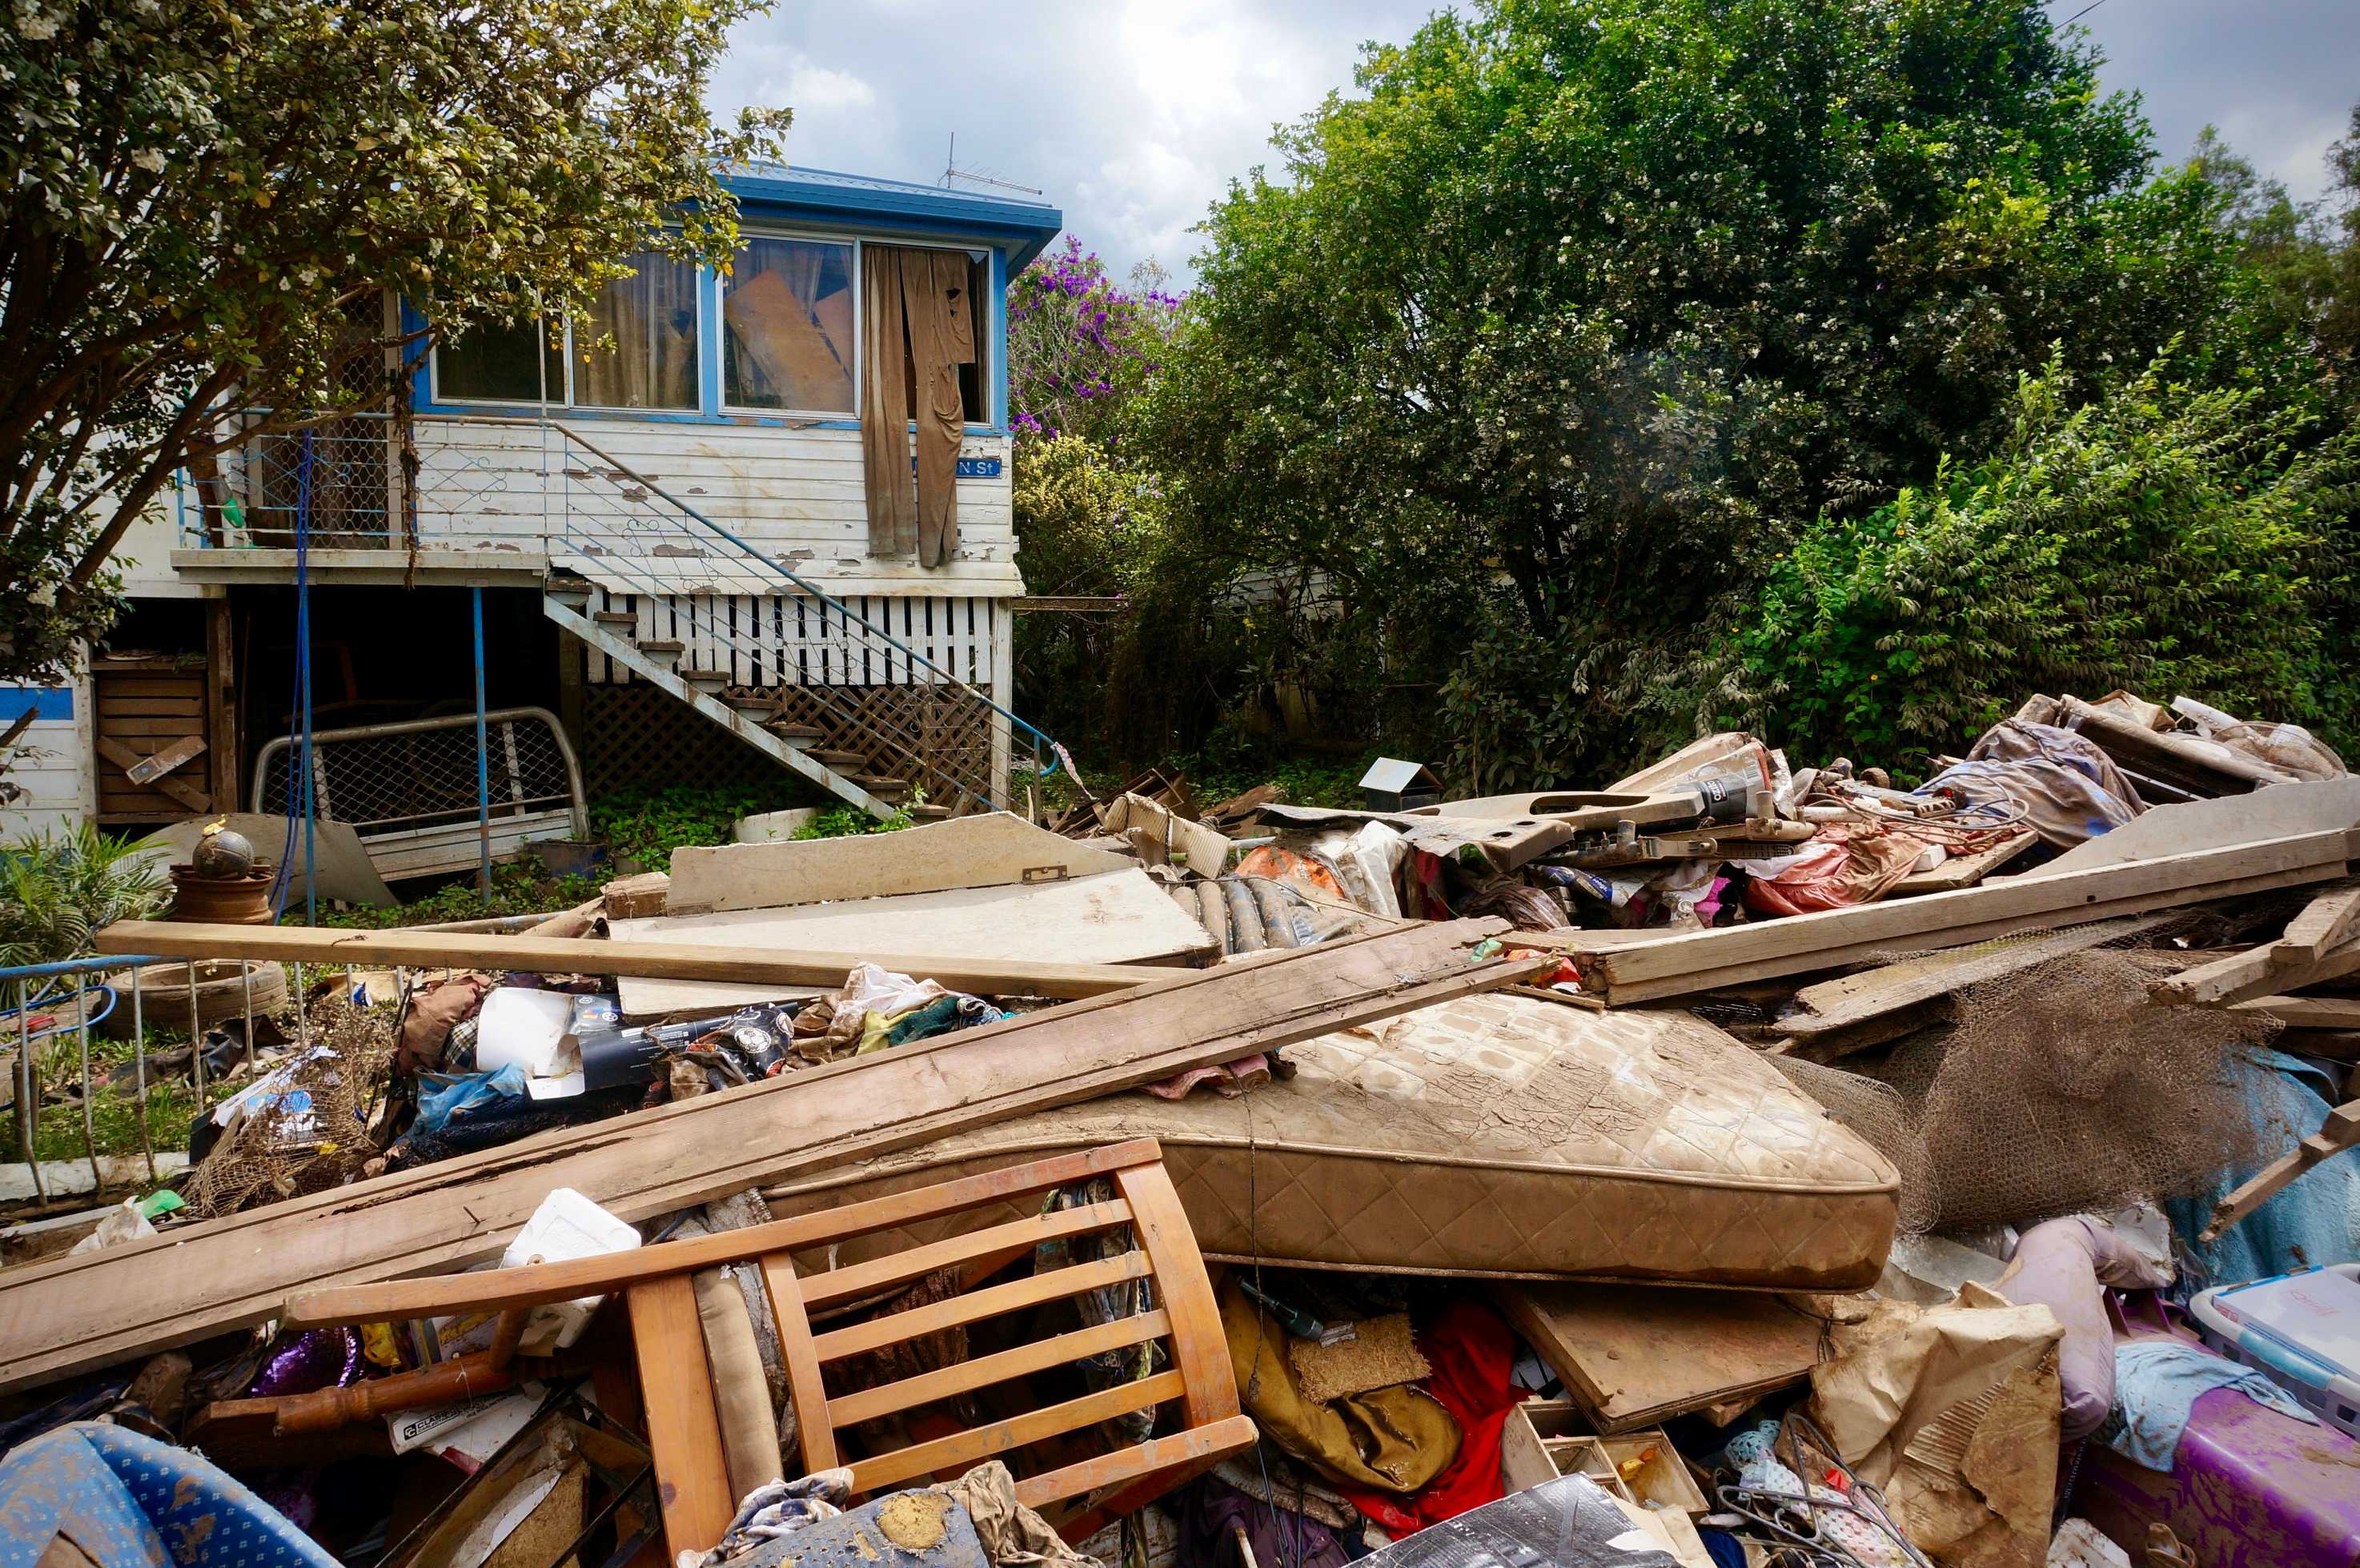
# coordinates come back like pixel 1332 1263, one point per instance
pixel 652 317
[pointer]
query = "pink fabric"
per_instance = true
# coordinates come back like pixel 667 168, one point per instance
pixel 1228 1080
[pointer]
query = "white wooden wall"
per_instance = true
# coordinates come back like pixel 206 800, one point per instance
pixel 765 640
pixel 795 493
pixel 57 777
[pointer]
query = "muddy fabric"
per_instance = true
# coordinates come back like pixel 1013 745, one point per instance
pixel 1473 1353
pixel 132 1502
pixel 742 1392
pixel 941 338
pixel 426 1025
pixel 890 489
pixel 1393 1439
pixel 1012 1533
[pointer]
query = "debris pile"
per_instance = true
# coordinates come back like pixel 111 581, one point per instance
pixel 1740 1162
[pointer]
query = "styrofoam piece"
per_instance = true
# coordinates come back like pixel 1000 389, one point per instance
pixel 566 1226
pixel 521 1024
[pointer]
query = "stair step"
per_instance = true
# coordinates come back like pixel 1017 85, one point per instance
pixel 752 701
pixel 890 790
pixel 696 675
pixel 795 734
pixel 842 761
pixel 660 648
pixel 614 617
pixel 932 811
pixel 575 595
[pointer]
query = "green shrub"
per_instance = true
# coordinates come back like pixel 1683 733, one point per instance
pixel 57 888
pixel 2162 538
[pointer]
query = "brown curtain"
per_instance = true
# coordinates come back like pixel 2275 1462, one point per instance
pixel 941 338
pixel 920 329
pixel 884 404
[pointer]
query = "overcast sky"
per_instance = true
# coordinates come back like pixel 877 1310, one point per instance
pixel 1132 116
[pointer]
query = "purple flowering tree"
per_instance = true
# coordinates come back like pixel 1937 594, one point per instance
pixel 1080 344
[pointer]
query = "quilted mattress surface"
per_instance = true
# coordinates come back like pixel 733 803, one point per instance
pixel 1494 1135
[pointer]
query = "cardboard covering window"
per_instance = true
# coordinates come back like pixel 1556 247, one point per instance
pixel 787 327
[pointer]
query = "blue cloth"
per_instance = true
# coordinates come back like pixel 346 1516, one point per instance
pixel 130 1500
pixel 2156 1385
pixel 2314 1221
pixel 446 1094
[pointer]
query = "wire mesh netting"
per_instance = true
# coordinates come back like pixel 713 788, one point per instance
pixel 1882 1117
pixel 2063 1089
pixel 385 778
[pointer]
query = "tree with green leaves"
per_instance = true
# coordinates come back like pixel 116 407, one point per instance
pixel 208 198
pixel 1546 344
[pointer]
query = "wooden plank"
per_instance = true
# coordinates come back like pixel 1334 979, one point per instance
pixel 963 1449
pixel 975 1306
pixel 814 1434
pixel 1199 1344
pixel 575 955
pixel 150 769
pixel 190 707
pixel 991 849
pixel 1635 1356
pixel 1120 916
pixel 1878 951
pixel 982 1371
pixel 1016 1237
pixel 2241 976
pixel 2281 811
pixel 1851 999
pixel 2325 922
pixel 2341 1131
pixel 1963 870
pixel 137 730
pixel 1802 942
pixel 2306 1012
pixel 2177 759
pixel 63 1315
pixel 535 1284
pixel 1182 1455
pixel 111 686
pixel 683 1428
pixel 122 757
pixel 221 704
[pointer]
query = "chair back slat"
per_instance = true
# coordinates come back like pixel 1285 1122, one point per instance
pixel 1014 1238
pixel 982 1371
pixel 976 1306
pixel 955 1454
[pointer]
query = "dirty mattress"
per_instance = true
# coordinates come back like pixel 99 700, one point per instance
pixel 1497 1135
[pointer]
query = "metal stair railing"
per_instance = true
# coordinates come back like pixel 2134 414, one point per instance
pixel 832 700
pixel 731 565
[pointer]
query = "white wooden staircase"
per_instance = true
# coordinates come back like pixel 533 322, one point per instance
pixel 626 535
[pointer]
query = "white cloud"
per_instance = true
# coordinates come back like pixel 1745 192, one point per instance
pixel 1133 116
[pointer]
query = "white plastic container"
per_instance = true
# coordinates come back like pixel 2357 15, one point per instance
pixel 567 1225
pixel 2300 1330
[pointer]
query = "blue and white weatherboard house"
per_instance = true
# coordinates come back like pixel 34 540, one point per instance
pixel 669 508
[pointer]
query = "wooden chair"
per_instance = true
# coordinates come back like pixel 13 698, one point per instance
pixel 676 1383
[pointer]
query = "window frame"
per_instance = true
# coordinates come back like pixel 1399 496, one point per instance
pixel 700 291
pixel 760 231
pixel 986 257
pixel 562 401
pixel 712 405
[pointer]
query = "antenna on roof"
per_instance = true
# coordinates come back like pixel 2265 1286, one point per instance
pixel 951 170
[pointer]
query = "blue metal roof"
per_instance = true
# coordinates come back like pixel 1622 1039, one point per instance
pixel 1023 225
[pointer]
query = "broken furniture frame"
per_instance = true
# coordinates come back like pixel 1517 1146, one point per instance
pixel 684 1427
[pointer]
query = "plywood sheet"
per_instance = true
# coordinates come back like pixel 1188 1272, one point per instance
pixel 1634 1356
pixel 995 849
pixel 1117 917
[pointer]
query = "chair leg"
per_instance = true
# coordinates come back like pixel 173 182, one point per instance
pixel 683 1430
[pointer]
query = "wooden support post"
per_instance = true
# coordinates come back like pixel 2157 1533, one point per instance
pixel 2339 1132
